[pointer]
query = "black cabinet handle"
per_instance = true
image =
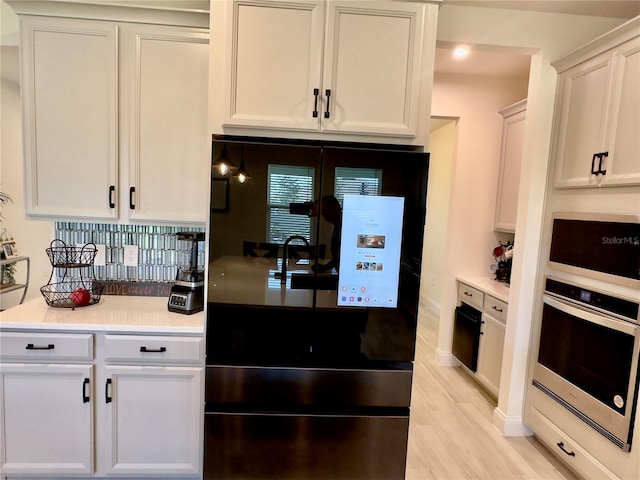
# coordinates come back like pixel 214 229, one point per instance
pixel 153 350
pixel 107 391
pixel 497 309
pixel 467 294
pixel 112 189
pixel 132 205
pixel 603 155
pixel 593 164
pixel 561 446
pixel 31 346
pixel 600 157
pixel 328 94
pixel 85 396
pixel 316 92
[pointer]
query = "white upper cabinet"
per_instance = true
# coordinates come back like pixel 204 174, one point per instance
pixel 510 164
pixel 320 69
pixel 115 116
pixel 166 73
pixel 596 140
pixel 70 92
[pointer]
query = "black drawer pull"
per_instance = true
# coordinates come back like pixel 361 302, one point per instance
pixel 316 92
pixel 153 350
pixel 468 294
pixel 85 396
pixel 31 346
pixel 328 94
pixel 497 309
pixel 561 446
pixel 107 391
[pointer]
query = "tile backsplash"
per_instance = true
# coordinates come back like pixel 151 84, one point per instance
pixel 160 253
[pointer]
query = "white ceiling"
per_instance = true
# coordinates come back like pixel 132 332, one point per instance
pixel 485 61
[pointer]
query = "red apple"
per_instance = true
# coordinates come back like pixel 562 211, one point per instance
pixel 80 297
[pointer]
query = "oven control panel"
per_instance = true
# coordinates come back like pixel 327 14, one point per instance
pixel 619 306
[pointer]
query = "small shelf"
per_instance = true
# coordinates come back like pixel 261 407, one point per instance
pixel 16 286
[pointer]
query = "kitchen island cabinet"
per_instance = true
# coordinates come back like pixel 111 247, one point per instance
pixel 98 123
pixel 322 69
pixel 113 389
pixel 597 118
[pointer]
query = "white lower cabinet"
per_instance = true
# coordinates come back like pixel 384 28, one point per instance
pixel 134 408
pixel 490 353
pixel 46 415
pixel 492 333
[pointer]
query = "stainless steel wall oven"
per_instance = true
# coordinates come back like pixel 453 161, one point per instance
pixel 588 357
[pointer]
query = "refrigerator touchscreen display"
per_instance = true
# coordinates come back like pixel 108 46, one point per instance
pixel 370 251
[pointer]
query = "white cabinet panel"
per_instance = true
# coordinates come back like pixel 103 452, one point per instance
pixel 490 353
pixel 624 141
pixel 115 120
pixel 596 141
pixel 373 77
pixel 154 417
pixel 46 419
pixel 275 64
pixel 70 91
pixel 320 69
pixel 167 78
pixel 510 166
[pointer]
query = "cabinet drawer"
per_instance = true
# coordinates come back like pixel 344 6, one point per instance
pixel 565 448
pixel 470 295
pixel 153 349
pixel 495 308
pixel 46 347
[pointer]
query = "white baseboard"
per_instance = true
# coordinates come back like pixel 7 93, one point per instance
pixel 510 426
pixel 446 359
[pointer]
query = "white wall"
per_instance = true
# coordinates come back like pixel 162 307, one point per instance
pixel 32 237
pixel 550 36
pixel 442 149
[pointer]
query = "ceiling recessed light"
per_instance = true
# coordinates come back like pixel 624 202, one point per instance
pixel 460 52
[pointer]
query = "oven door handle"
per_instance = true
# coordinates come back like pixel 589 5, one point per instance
pixel 590 316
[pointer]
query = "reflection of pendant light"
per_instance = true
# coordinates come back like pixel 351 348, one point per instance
pixel 223 164
pixel 241 174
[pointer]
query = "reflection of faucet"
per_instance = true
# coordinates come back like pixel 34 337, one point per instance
pixel 285 256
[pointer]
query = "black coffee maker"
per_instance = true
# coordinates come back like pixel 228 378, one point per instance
pixel 187 294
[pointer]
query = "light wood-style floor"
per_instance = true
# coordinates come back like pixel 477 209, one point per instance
pixel 451 435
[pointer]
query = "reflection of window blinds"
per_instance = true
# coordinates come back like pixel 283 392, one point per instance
pixel 357 181
pixel 287 184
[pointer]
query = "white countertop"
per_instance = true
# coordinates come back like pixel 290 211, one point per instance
pixel 251 281
pixel 113 313
pixel 487 285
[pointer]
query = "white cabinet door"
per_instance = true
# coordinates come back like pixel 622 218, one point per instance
pixel 596 141
pixel 623 142
pixel 70 91
pixel 46 419
pixel 154 416
pixel 273 62
pixel 510 163
pixel 372 61
pixel 330 68
pixel 490 353
pixel 165 71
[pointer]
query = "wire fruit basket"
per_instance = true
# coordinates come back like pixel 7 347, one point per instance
pixel 63 256
pixel 72 293
pixel 78 289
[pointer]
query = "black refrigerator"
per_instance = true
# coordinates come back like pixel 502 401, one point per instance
pixel 311 319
